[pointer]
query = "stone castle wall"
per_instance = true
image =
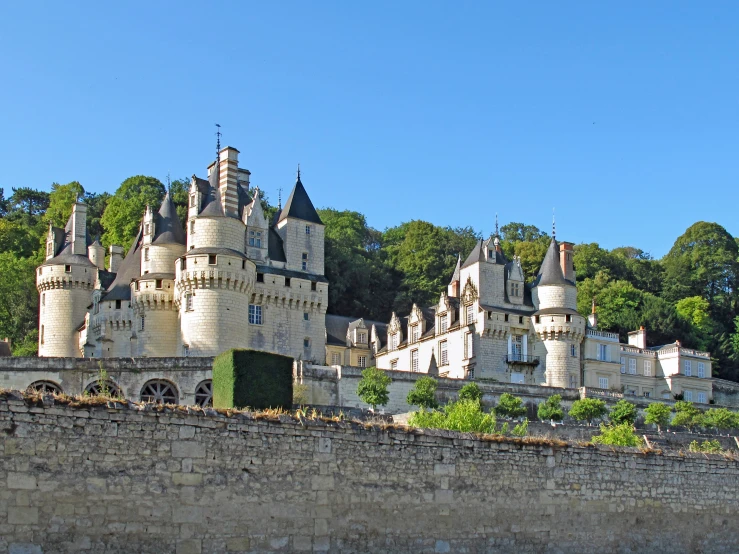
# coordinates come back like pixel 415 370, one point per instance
pixel 123 479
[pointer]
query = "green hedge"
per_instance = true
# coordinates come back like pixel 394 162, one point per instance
pixel 252 379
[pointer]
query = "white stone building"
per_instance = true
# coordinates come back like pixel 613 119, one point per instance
pixel 230 279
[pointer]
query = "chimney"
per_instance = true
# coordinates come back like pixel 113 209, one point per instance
pixel 565 260
pixel 229 179
pixel 116 257
pixel 638 338
pixel 96 254
pixel 453 291
pixel 593 317
pixel 79 229
pixel 244 176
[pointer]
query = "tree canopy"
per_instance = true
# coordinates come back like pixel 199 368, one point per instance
pixel 126 207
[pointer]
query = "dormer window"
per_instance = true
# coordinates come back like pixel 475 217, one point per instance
pixel 362 337
pixel 255 239
pixel 414 333
pixel 491 254
pixel 443 323
pixel 470 314
pixel 393 341
pixel 192 200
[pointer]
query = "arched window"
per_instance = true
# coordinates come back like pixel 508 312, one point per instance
pixel 204 394
pixel 46 387
pixel 159 391
pixel 105 388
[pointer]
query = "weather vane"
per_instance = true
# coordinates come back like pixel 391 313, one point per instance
pixel 218 140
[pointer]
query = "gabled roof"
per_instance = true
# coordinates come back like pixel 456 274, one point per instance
pixel 167 225
pixel 478 253
pixel 275 248
pixel 337 326
pixel 299 206
pixel 551 272
pixel 120 288
pixel 64 240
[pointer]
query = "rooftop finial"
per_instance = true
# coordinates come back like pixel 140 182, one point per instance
pixel 279 198
pixel 554 226
pixel 169 183
pixel 496 224
pixel 298 171
pixel 218 140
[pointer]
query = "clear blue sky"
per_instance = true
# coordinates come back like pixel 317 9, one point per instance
pixel 623 116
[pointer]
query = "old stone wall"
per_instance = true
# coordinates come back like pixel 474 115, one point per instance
pixel 124 479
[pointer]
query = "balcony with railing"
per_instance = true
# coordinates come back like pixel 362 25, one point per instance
pixel 603 335
pixel 520 359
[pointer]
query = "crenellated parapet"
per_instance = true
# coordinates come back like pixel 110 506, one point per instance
pixel 290 300
pixel 215 278
pixel 51 277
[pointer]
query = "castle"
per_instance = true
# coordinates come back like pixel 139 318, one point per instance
pixel 231 279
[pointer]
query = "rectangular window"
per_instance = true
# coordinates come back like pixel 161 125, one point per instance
pixel 142 323
pixel 516 347
pixel 287 281
pixel 632 366
pixel 306 342
pixel 394 364
pixel 646 394
pixel 468 345
pixel 192 227
pixel 186 350
pixel 146 229
pixel 260 277
pixel 183 264
pixel 255 314
pixel 307 229
pixel 443 319
pixel 362 361
pixel 255 239
pixel 159 283
pixel 647 368
pixel 146 254
pixel 188 302
pixel 67 269
pixel 43 299
pixel 603 354
pixel 517 377
pixel 192 200
pixel 243 264
pixel 701 369
pixel 470 373
pixel 414 333
pixel 212 259
pixel 701 397
pixel 117 304
pixel 505 318
pixel 573 351
pixel 42 334
pixel 304 264
pixel 362 338
pixel 573 382
pixel 688 395
pixel 688 368
pixel 414 361
pixel 470 314
pixel 335 358
pixel 306 316
pixel 623 364
pixel 568 318
pixel 603 382
pixel 314 286
pixel 443 353
pixel 393 341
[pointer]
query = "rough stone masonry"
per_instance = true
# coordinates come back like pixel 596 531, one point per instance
pixel 138 478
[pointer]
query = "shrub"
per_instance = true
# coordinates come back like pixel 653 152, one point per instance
pixel 708 447
pixel 423 393
pixel 588 409
pixel 510 406
pixel 464 415
pixel 623 412
pixel 659 414
pixel 686 415
pixel 617 435
pixel 248 378
pixel 471 391
pixel 551 409
pixel 720 418
pixel 522 429
pixel 372 388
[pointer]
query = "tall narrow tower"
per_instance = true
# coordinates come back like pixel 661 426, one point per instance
pixel 65 282
pixel 558 325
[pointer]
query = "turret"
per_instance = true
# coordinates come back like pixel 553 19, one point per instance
pixel 96 254
pixel 257 230
pixel 453 288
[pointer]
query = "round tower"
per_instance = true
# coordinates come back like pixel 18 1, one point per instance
pixel 65 282
pixel 558 325
pixel 214 279
pixel 153 292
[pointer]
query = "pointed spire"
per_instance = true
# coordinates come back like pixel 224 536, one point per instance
pixel 218 141
pixel 168 226
pixel 169 183
pixel 298 180
pixel 496 225
pixel 457 269
pixel 554 226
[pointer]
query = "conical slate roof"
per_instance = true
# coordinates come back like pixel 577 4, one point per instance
pixel 65 250
pixel 551 272
pixel 168 227
pixel 120 288
pixel 299 206
pixel 455 275
pixel 212 202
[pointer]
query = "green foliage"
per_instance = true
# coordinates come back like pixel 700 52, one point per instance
pixel 373 387
pixel 588 409
pixel 720 418
pixel 471 391
pixel 522 429
pixel 623 412
pixel 179 189
pixel 423 393
pixel 510 406
pixel 520 232
pixel 61 201
pixel 248 378
pixel 126 207
pixel 658 413
pixel 617 435
pixel 686 415
pixel 707 447
pixel 18 300
pixel 464 415
pixel 590 259
pixel 551 409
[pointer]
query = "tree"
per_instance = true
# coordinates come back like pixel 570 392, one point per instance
pixel 510 406
pixel 551 409
pixel 18 297
pixel 61 200
pixel 658 414
pixel 588 409
pixel 96 204
pixel 471 391
pixel 373 387
pixel 589 259
pixel 721 418
pixel 520 232
pixel 423 393
pixel 686 415
pixel 532 255
pixel 623 412
pixel 126 207
pixel 621 434
pixel 179 189
pixel 28 201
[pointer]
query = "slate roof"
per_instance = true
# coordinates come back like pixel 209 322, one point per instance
pixel 478 253
pixel 337 327
pixel 63 254
pixel 167 226
pixel 551 272
pixel 271 270
pixel 275 247
pixel 211 206
pixel 120 288
pixel 299 206
pixel 457 268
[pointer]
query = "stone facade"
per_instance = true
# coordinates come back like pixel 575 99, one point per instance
pixel 230 279
pixel 170 481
